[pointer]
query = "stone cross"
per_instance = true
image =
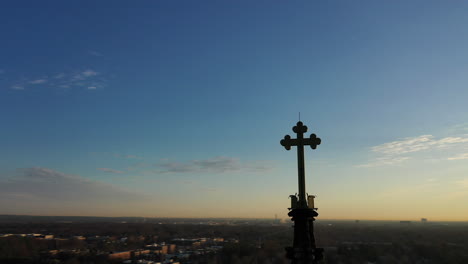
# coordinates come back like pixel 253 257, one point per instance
pixel 300 142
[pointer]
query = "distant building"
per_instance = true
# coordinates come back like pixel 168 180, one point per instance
pixel 405 222
pixel 164 249
pixel 196 244
pixel 423 220
pixel 120 255
pixel 171 248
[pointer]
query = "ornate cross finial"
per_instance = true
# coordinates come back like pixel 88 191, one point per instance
pixel 300 129
pixel 300 142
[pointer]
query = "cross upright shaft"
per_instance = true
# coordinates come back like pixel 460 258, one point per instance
pixel 300 142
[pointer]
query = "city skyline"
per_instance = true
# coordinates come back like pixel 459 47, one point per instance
pixel 176 109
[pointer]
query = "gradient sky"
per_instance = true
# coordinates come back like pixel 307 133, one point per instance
pixel 176 108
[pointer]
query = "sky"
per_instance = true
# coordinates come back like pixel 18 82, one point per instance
pixel 176 108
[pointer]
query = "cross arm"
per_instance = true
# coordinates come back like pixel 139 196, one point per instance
pixel 313 142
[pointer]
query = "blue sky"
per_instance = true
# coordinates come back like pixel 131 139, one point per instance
pixel 176 108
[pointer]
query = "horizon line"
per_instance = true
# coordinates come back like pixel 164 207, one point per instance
pixel 227 218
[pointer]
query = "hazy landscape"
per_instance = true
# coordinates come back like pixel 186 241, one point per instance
pixel 96 240
pixel 233 132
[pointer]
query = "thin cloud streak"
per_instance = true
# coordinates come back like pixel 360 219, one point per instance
pixel 110 170
pixel 88 79
pixel 396 152
pixel 38 81
pixel 462 156
pixel 17 87
pixel 213 165
pixel 80 76
pixel 382 161
pixel 44 184
pixel 416 144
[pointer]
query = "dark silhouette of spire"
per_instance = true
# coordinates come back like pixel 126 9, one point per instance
pixel 302 210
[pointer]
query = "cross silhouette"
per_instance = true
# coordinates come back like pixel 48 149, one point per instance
pixel 300 142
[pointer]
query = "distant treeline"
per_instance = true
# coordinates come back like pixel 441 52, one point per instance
pixel 97 219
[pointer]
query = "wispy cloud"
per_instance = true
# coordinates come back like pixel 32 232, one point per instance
pixel 461 156
pixel 110 170
pixel 88 79
pixel 38 81
pixel 80 76
pixel 406 145
pixel 59 76
pixel 219 164
pixel 46 184
pixel 398 151
pixel 416 144
pixel 213 165
pixel 382 161
pixel 17 87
